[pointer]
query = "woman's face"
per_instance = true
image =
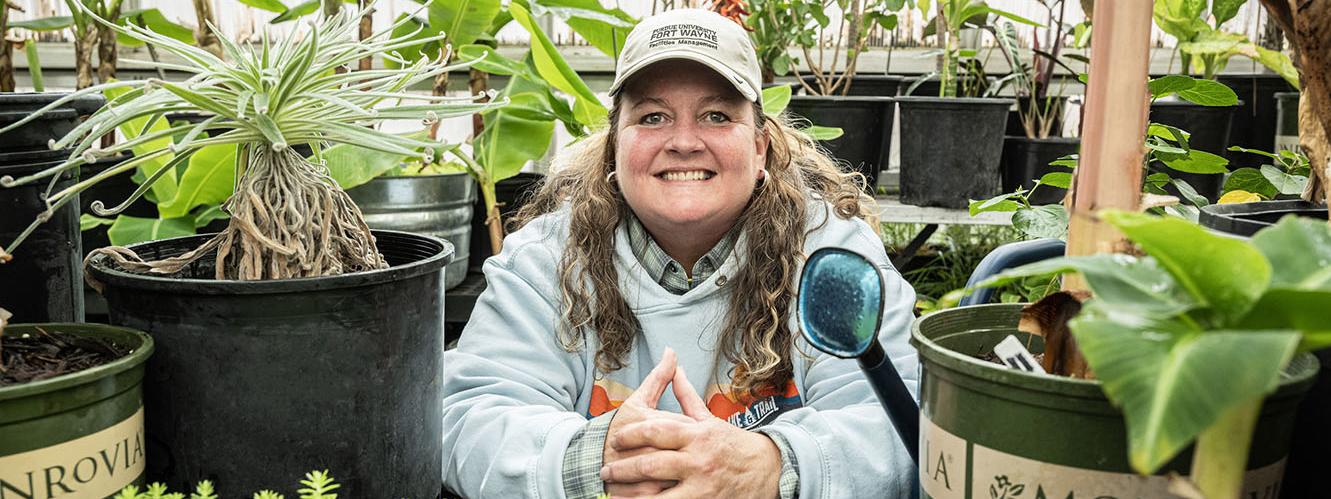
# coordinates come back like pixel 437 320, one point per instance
pixel 688 152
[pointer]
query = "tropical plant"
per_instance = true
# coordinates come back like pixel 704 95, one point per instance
pixel 288 218
pixel 776 24
pixel 1286 175
pixel 1166 145
pixel 1190 338
pixel 1031 80
pixel 950 16
pixel 1205 48
pixel 317 485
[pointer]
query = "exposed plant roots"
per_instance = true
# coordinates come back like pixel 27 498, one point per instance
pixel 288 219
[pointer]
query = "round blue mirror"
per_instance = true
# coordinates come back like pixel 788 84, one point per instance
pixel 840 302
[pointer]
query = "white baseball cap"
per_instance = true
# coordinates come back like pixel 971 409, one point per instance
pixel 697 35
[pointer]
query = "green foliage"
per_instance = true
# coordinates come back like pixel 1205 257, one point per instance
pixel 776 25
pixel 1286 173
pixel 939 272
pixel 1205 48
pixel 317 485
pixel 1201 325
pixel 775 100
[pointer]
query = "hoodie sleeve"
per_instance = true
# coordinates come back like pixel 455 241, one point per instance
pixel 509 388
pixel 843 440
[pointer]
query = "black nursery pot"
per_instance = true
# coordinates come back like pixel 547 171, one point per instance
pixel 36 134
pixel 866 123
pixel 1056 106
pixel 511 194
pixel 1308 458
pixel 1209 127
pixel 865 85
pixel 1254 122
pixel 1026 159
pixel 44 281
pixel 950 149
pixel 255 383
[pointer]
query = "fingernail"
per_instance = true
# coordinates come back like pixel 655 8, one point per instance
pixel 605 473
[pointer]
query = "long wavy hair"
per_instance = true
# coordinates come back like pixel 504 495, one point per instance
pixel 756 337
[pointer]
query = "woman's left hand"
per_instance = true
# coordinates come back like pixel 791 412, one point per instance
pixel 706 457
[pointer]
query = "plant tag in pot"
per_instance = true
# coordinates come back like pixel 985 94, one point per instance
pixel 1012 353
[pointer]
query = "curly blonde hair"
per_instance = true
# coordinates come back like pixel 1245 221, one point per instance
pixel 756 337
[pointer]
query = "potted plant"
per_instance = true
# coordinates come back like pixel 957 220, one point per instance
pixel 1205 48
pixel 71 408
pixel 296 287
pixel 949 176
pixel 1195 340
pixel 1035 141
pixel 317 485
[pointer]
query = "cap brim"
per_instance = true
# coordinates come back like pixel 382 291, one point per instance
pixel 725 71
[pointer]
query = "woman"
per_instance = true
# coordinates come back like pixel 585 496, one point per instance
pixel 662 252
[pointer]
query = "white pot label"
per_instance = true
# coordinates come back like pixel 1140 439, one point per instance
pixel 950 466
pixel 92 466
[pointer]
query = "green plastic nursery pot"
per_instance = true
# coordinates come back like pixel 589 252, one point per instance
pixel 988 431
pixel 80 434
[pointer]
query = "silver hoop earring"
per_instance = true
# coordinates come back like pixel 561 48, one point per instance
pixel 610 179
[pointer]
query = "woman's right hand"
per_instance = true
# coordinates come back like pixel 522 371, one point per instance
pixel 641 406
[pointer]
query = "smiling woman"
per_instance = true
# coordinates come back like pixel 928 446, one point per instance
pixel 663 249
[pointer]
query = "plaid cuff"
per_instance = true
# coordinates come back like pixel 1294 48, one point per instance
pixel 582 459
pixel 790 474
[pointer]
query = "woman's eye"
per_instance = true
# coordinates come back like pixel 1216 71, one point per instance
pixel 652 119
pixel 717 117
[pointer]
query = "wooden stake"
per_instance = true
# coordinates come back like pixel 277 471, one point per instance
pixel 1109 174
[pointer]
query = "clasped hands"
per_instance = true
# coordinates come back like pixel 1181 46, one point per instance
pixel 649 452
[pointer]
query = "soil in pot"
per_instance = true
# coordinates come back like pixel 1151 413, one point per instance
pixel 80 433
pixel 950 149
pixel 866 123
pixel 1209 127
pixel 985 427
pixel 259 381
pixel 1025 160
pixel 44 281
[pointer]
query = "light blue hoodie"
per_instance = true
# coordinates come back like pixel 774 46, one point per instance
pixel 513 397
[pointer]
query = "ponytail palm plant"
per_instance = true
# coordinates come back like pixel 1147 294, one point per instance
pixel 288 217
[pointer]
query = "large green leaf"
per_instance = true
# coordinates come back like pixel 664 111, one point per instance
pixel 514 135
pixel 1050 220
pixel 1196 161
pixel 209 179
pixel 552 67
pixel 603 28
pixel 463 20
pixel 1299 250
pixel 488 60
pixel 1179 18
pixel 1303 310
pixel 1170 383
pixel 130 230
pixel 775 99
pixel 413 53
pixel 155 21
pixel 1284 182
pixel 1225 274
pixel 55 23
pixel 1169 84
pixel 1209 93
pixel 351 166
pixel 298 11
pixel 1251 180
pixel 818 132
pixel 165 187
pixel 1118 281
pixel 1224 10
pixel 273 6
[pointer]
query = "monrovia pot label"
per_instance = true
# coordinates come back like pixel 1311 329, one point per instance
pixel 96 465
pixel 953 468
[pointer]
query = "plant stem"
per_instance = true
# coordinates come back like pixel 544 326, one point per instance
pixel 34 66
pixel 493 219
pixel 6 52
pixel 1222 451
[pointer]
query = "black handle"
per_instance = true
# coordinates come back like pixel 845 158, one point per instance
pixel 896 399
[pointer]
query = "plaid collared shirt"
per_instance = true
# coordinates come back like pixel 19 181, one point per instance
pixel 582 459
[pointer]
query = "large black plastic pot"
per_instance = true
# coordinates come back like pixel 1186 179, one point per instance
pixel 865 85
pixel 866 123
pixel 511 194
pixel 989 431
pixel 1287 122
pixel 256 382
pixel 44 282
pixel 436 205
pixel 1025 160
pixel 79 434
pixel 1209 126
pixel 1311 456
pixel 54 124
pixel 1253 124
pixel 950 149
